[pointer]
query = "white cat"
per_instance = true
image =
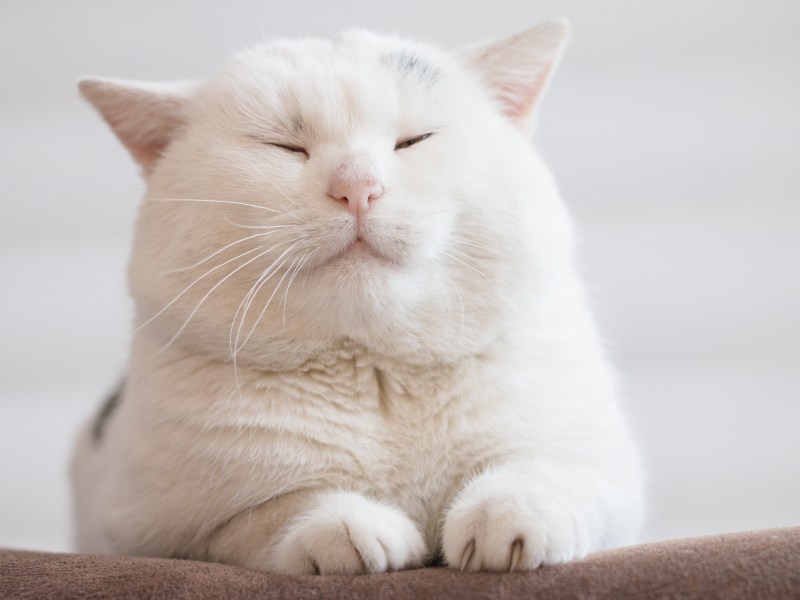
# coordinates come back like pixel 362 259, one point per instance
pixel 360 341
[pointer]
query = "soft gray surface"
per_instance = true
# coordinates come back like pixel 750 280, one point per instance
pixel 673 129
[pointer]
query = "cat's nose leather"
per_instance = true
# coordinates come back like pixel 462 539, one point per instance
pixel 355 190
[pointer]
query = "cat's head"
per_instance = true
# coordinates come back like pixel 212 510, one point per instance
pixel 364 188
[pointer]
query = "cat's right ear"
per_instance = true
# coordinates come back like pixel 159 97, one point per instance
pixel 518 69
pixel 145 116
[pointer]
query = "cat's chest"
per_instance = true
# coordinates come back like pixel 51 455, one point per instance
pixel 351 388
pixel 365 415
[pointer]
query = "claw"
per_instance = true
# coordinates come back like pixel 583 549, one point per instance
pixel 466 555
pixel 516 553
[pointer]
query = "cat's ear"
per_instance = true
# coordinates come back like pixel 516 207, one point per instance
pixel 145 116
pixel 518 69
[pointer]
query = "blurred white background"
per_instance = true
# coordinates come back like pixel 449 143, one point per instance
pixel 673 128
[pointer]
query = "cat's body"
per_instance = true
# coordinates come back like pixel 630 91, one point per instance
pixel 415 368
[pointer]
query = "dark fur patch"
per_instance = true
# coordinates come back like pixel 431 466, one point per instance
pixel 411 64
pixel 108 408
pixel 435 560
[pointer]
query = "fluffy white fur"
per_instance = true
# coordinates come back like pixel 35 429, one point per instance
pixel 314 389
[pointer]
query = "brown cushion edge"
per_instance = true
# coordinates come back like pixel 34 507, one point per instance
pixel 761 564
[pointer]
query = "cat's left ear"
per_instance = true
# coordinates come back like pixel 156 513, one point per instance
pixel 145 116
pixel 518 69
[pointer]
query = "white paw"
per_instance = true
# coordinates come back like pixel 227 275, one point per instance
pixel 501 522
pixel 345 533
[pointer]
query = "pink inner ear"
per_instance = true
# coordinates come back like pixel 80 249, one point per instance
pixel 143 119
pixel 147 135
pixel 146 155
pixel 519 99
pixel 144 151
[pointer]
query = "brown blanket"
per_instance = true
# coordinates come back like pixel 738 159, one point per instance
pixel 763 564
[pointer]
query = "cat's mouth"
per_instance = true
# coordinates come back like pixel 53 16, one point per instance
pixel 359 249
pixel 360 246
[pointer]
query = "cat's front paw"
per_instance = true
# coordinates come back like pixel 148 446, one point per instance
pixel 501 522
pixel 345 533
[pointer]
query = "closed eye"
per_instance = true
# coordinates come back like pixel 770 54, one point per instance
pixel 405 143
pixel 289 148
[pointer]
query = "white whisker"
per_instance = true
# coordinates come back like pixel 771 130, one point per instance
pixel 474 179
pixel 469 266
pixel 238 347
pixel 289 200
pixel 210 201
pixel 210 256
pixel 196 281
pixel 500 295
pixel 491 251
pixel 440 211
pixel 230 340
pixel 249 297
pixel 444 299
pixel 470 243
pixel 290 270
pixel 258 20
pixel 243 226
pixel 244 308
pixel 245 303
pixel 299 266
pixel 204 298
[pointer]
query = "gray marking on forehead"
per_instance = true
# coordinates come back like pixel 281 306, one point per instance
pixel 408 63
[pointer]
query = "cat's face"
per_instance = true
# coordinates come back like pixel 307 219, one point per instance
pixel 356 145
pixel 364 188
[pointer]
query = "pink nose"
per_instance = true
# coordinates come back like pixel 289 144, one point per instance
pixel 355 192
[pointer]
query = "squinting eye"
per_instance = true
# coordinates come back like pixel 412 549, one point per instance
pixel 411 141
pixel 290 148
